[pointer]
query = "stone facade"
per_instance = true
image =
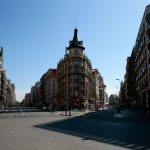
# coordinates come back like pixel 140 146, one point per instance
pixel 75 76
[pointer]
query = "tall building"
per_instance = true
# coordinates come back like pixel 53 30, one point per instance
pixel 98 89
pixel 7 89
pixel 49 88
pixel 37 93
pixel 2 81
pixel 113 100
pixel 137 77
pixel 33 98
pixel 75 76
pixel 71 85
pixel 44 92
pixel 26 100
pixel 10 94
pixel 1 59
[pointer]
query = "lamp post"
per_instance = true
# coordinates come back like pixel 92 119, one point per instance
pixel 119 94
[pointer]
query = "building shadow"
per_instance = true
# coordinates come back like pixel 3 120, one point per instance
pixel 131 135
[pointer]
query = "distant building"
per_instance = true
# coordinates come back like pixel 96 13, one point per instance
pixel 26 100
pixel 106 99
pixel 113 100
pixel 33 98
pixel 75 76
pixel 37 94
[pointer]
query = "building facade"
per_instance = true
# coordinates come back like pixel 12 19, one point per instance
pixel 26 100
pixel 72 85
pixel 113 100
pixel 37 94
pixel 98 88
pixel 32 99
pixel 75 76
pixel 137 77
pixel 44 92
pixel 49 88
pixel 2 82
pixel 10 94
pixel 7 89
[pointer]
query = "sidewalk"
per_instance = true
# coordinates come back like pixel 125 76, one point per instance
pixel 73 112
pixel 133 115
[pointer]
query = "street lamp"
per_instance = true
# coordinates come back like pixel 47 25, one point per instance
pixel 119 90
pixel 118 80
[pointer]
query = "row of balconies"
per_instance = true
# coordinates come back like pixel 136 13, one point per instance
pixel 140 60
pixel 74 70
pixel 143 84
pixel 141 41
pixel 141 73
pixel 137 67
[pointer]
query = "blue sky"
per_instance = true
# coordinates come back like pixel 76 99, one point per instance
pixel 34 34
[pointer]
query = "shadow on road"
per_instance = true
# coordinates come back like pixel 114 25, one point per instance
pixel 131 135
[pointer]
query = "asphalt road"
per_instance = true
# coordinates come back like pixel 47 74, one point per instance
pixel 94 131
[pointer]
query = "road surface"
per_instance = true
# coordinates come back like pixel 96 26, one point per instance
pixel 93 131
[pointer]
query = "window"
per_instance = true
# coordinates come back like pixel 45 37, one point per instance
pixel 149 63
pixel 148 47
pixel 0 65
pixel 75 52
pixel 76 84
pixel 76 76
pixel 76 93
pixel 148 34
pixel 76 62
pixel 148 19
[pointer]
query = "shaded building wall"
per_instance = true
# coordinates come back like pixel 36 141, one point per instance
pixel 137 77
pixel 49 88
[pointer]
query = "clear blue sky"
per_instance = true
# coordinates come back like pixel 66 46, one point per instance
pixel 34 34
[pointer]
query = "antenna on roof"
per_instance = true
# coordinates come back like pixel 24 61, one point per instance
pixel 75 25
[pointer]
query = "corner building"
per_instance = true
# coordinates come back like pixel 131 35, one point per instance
pixel 75 76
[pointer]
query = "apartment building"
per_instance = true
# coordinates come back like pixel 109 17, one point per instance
pixel 49 88
pixel 98 88
pixel 137 77
pixel 75 76
pixel 7 89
